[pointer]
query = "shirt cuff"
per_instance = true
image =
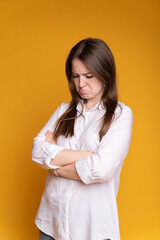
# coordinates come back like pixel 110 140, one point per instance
pixel 51 149
pixel 83 171
pixel 47 161
pixel 50 152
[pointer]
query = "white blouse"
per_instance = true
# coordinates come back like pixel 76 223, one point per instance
pixel 87 209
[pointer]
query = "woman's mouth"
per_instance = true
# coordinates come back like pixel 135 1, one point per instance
pixel 83 92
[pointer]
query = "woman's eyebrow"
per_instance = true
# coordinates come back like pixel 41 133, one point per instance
pixel 83 73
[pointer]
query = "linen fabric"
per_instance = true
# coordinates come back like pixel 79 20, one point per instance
pixel 85 209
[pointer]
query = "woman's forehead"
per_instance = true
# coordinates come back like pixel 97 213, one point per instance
pixel 79 67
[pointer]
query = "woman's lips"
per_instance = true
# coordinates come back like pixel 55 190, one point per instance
pixel 83 92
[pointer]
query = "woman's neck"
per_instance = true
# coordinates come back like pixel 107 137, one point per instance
pixel 89 105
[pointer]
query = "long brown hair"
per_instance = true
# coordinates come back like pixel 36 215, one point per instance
pixel 98 58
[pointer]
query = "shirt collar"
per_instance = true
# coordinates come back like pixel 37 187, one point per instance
pixel 98 106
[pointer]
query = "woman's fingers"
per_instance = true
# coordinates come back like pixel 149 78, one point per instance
pixel 47 132
pixel 50 137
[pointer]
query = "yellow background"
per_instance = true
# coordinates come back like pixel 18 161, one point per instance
pixel 35 38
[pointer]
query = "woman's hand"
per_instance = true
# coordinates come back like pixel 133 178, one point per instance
pixel 50 137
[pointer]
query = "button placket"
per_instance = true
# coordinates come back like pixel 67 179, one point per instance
pixel 81 130
pixel 85 114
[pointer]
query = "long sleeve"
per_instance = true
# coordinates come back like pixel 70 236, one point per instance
pixel 38 154
pixel 111 152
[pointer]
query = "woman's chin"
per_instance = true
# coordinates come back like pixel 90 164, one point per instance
pixel 85 95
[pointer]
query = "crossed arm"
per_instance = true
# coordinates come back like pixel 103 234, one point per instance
pixel 99 166
pixel 66 158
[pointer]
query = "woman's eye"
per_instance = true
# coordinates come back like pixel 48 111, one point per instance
pixel 89 76
pixel 75 76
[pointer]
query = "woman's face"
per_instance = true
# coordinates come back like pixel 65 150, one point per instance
pixel 86 84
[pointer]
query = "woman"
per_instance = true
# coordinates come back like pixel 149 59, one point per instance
pixel 83 145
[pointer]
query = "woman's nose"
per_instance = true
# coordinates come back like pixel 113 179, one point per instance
pixel 81 81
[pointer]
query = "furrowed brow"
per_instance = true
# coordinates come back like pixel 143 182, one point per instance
pixel 83 73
